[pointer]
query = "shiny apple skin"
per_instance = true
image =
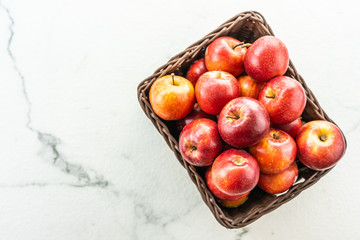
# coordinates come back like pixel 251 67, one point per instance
pixel 200 142
pixel 169 101
pixel 196 113
pixel 291 128
pixel 249 87
pixel 275 152
pixel 318 154
pixel 218 193
pixel 222 54
pixel 243 122
pixel 235 172
pixel 279 182
pixel 284 98
pixel 215 89
pixel 267 57
pixel 196 70
pixel 234 203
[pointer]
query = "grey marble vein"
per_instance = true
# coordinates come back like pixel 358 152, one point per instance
pixel 240 235
pixel 147 215
pixel 87 177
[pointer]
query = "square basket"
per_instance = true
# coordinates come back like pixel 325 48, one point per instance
pixel 247 27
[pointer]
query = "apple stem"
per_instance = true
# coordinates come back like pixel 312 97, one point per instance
pixel 275 136
pixel 219 74
pixel 323 138
pixel 239 161
pixel 273 97
pixel 172 76
pixel 193 148
pixel 242 45
pixel 233 117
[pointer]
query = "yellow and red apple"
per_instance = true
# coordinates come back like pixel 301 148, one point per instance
pixel 249 87
pixel 226 54
pixel 234 203
pixel 279 182
pixel 275 152
pixel 172 97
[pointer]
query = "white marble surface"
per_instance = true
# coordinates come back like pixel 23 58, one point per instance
pixel 79 159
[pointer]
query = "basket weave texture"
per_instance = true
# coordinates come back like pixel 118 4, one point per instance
pixel 247 27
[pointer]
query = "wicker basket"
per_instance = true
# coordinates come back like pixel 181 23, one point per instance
pixel 247 27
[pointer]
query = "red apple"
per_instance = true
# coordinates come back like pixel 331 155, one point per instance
pixel 172 97
pixel 226 54
pixel 279 182
pixel 214 89
pixel 196 113
pixel 275 152
pixel 249 87
pixel 267 57
pixel 284 98
pixel 320 145
pixel 200 142
pixel 217 192
pixel 291 128
pixel 235 172
pixel 196 70
pixel 234 203
pixel 243 122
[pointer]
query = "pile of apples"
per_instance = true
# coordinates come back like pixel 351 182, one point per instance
pixel 247 130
